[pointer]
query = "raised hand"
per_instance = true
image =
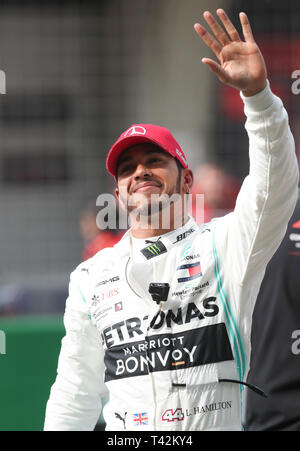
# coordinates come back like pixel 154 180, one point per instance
pixel 241 64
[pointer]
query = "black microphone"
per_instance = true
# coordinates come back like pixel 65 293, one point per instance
pixel 159 291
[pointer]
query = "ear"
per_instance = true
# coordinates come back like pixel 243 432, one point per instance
pixel 119 198
pixel 188 179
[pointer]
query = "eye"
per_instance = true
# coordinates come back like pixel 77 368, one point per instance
pixel 124 169
pixel 154 160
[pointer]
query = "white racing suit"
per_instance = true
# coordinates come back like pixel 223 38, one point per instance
pixel 164 365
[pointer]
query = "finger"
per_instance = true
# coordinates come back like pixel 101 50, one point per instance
pixel 229 27
pixel 215 27
pixel 216 69
pixel 247 32
pixel 208 39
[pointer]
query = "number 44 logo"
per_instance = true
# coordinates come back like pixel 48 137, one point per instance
pixel 172 415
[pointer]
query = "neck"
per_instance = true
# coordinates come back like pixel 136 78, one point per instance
pixel 139 231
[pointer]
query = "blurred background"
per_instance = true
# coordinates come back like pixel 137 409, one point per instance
pixel 77 75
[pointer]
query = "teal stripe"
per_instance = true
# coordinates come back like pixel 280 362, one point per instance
pixel 82 297
pixel 233 329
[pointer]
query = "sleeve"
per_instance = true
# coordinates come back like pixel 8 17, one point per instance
pixel 269 193
pixel 75 397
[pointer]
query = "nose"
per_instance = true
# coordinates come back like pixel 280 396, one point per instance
pixel 142 171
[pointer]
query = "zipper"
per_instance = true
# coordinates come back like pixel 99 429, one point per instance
pixel 152 317
pixel 150 373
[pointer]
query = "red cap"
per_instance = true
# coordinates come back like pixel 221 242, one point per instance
pixel 144 133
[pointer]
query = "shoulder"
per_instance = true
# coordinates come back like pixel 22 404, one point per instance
pixel 214 224
pixel 102 260
pixel 86 275
pixel 213 235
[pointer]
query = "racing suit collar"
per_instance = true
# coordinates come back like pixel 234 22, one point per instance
pixel 168 239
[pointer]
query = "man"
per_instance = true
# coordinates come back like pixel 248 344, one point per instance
pixel 162 320
pixel 275 340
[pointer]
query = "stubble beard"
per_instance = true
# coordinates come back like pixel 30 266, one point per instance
pixel 158 209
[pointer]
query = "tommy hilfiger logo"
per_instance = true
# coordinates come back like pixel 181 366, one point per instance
pixel 192 271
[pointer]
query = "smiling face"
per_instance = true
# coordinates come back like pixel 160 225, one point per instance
pixel 145 170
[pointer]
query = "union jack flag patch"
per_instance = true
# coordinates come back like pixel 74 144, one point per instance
pixel 140 419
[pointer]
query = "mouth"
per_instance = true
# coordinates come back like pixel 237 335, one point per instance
pixel 146 186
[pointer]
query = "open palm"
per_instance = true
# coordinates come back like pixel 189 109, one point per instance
pixel 241 64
